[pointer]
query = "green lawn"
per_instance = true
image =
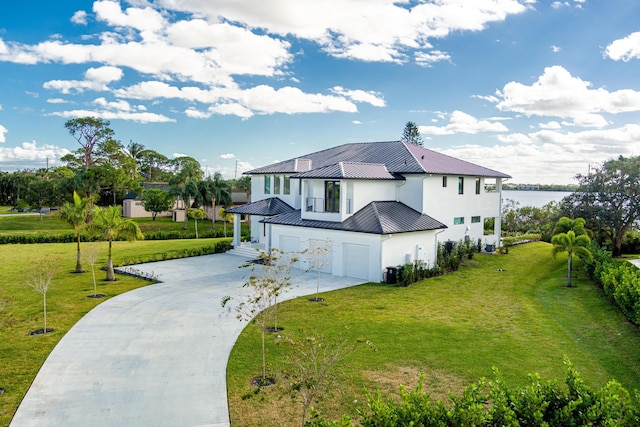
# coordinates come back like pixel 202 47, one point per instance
pixel 21 355
pixel 510 311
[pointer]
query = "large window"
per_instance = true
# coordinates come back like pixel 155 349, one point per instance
pixel 287 185
pixel 477 185
pixel 460 185
pixel 276 184
pixel 267 184
pixel 332 196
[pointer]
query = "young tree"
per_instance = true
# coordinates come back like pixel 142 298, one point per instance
pixel 91 255
pixel 318 256
pixel 411 134
pixel 572 244
pixel 155 201
pixel 196 214
pixel 109 223
pixel 75 214
pixel 269 279
pixel 312 366
pixel 39 276
pixel 226 217
pixel 89 132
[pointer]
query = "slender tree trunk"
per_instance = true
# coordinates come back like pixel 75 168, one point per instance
pixel 93 274
pixel 213 213
pixel 569 268
pixel 44 306
pixel 78 256
pixel 264 363
pixel 111 276
pixel 196 224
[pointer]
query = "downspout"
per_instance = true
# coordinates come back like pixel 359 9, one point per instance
pixel 398 185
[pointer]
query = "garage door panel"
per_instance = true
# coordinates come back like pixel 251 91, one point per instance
pixel 356 261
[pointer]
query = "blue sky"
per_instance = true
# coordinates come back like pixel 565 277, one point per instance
pixel 535 89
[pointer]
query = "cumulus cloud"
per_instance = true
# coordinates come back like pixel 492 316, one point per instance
pixel 29 154
pixel 79 17
pixel 624 49
pixel 427 59
pixel 227 156
pixel 558 93
pixel 3 133
pixel 119 109
pixel 96 79
pixel 460 122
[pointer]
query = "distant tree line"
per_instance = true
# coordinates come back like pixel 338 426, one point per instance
pixel 104 170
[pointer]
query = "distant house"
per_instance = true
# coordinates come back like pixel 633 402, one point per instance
pixel 378 204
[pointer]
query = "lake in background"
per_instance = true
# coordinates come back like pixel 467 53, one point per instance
pixel 533 198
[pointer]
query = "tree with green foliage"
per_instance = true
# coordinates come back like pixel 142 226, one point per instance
pixel 565 224
pixel 411 134
pixel 75 214
pixel 214 190
pixel 155 200
pixel 572 244
pixel 609 200
pixel 109 223
pixel 89 132
pixel 196 214
pixel 184 182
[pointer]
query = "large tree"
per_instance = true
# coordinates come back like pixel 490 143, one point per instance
pixel 609 200
pixel 89 132
pixel 76 215
pixel 156 200
pixel 411 134
pixel 109 223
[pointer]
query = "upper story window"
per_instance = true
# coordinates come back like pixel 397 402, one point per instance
pixel 460 185
pixel 475 219
pixel 276 184
pixel 477 185
pixel 444 181
pixel 267 184
pixel 458 220
pixel 287 185
pixel 332 196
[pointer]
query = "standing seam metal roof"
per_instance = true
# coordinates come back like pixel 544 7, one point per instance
pixel 398 157
pixel 375 218
pixel 266 207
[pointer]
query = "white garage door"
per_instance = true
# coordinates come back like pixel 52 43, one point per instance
pixel 290 244
pixel 356 261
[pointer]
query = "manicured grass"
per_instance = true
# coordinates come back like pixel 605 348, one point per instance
pixel 510 311
pixel 21 355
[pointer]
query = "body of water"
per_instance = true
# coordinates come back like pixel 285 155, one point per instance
pixel 533 198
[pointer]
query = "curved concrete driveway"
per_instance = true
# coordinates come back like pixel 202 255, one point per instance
pixel 155 356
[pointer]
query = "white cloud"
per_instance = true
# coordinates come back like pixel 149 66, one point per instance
pixel 30 155
pixel 356 122
pixel 96 79
pixel 460 122
pixel 625 49
pixel 3 133
pixel 550 125
pixel 57 101
pixel 227 156
pixel 79 17
pixel 426 59
pixel 558 93
pixel 374 98
pixel 555 49
pixel 490 98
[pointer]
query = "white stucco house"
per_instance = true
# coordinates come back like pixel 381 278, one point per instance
pixel 376 204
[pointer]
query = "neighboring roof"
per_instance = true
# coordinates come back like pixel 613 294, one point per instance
pixel 397 156
pixel 266 207
pixel 353 170
pixel 375 218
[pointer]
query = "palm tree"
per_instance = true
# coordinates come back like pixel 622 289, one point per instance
pixel 572 244
pixel 565 224
pixel 76 215
pixel 111 225
pixel 214 191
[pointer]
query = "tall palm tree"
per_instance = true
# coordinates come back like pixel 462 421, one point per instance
pixel 572 244
pixel 214 191
pixel 111 225
pixel 76 214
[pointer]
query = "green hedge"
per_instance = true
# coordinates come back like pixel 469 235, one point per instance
pixel 620 283
pixel 216 248
pixel 494 403
pixel 71 237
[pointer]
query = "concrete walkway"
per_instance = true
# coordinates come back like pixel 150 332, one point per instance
pixel 155 356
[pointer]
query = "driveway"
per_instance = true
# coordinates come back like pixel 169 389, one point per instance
pixel 155 356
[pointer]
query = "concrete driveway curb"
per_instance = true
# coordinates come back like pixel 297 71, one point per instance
pixel 155 356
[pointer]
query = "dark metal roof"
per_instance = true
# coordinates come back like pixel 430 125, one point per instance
pixel 352 170
pixel 266 207
pixel 398 157
pixel 375 218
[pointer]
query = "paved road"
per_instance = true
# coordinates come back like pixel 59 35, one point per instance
pixel 155 356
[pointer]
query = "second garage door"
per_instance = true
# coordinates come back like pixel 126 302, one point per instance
pixel 356 261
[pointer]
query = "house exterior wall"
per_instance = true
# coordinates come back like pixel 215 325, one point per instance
pixel 383 250
pixel 258 189
pixel 132 208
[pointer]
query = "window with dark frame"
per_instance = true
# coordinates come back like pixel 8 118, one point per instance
pixel 276 184
pixel 332 196
pixel 287 185
pixel 475 219
pixel 477 185
pixel 458 220
pixel 267 184
pixel 444 181
pixel 460 185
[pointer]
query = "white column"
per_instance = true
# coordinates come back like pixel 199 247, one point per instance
pixel 236 230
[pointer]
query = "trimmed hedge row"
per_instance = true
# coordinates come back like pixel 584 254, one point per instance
pixel 71 237
pixel 620 283
pixel 494 403
pixel 216 248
